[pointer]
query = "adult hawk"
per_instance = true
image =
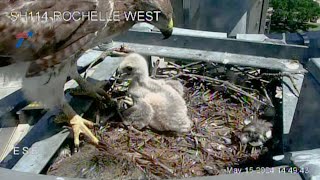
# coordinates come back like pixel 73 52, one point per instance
pixel 42 39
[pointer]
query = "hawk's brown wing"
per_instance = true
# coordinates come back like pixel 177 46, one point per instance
pixel 53 38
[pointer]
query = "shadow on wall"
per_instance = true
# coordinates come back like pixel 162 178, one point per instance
pixel 305 129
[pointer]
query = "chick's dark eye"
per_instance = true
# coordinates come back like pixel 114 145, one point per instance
pixel 129 68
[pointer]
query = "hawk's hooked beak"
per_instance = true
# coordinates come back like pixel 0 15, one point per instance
pixel 167 32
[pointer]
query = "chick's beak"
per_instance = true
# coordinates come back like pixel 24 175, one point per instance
pixel 168 31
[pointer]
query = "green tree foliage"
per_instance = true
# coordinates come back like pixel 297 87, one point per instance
pixel 293 15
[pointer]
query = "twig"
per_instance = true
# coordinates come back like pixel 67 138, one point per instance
pixel 134 130
pixel 248 74
pixel 191 64
pixel 123 49
pixel 224 83
pixel 118 54
pixel 267 96
pixel 174 64
pixel 294 84
pixel 157 162
pixel 155 69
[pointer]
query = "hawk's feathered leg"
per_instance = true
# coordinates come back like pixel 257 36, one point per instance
pixel 94 91
pixel 54 87
pixel 80 125
pixel 86 88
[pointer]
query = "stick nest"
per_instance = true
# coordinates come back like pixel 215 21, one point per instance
pixel 220 99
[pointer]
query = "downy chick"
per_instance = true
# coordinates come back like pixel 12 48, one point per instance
pixel 256 132
pixel 157 103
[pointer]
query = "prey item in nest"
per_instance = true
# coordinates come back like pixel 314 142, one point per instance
pixel 157 103
pixel 94 164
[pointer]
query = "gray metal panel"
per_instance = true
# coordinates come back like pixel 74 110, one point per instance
pixel 211 56
pixel 218 44
pixel 42 130
pixel 296 38
pixel 265 6
pixel 252 37
pixel 209 15
pixel 16 98
pixel 241 26
pixel 254 17
pixel 6 135
pixel 87 58
pixel 10 102
pixel 106 68
pixel 290 100
pixel 5 91
pixel 6 174
pixel 196 33
pixel 305 128
pixel 46 148
pixel 221 15
pixel 314 67
pixel 308 160
pixel 35 162
pixel 44 140
pixel 252 176
pixel 178 12
pixel 146 27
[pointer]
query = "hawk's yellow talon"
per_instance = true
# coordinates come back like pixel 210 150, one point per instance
pixel 80 125
pixel 34 105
